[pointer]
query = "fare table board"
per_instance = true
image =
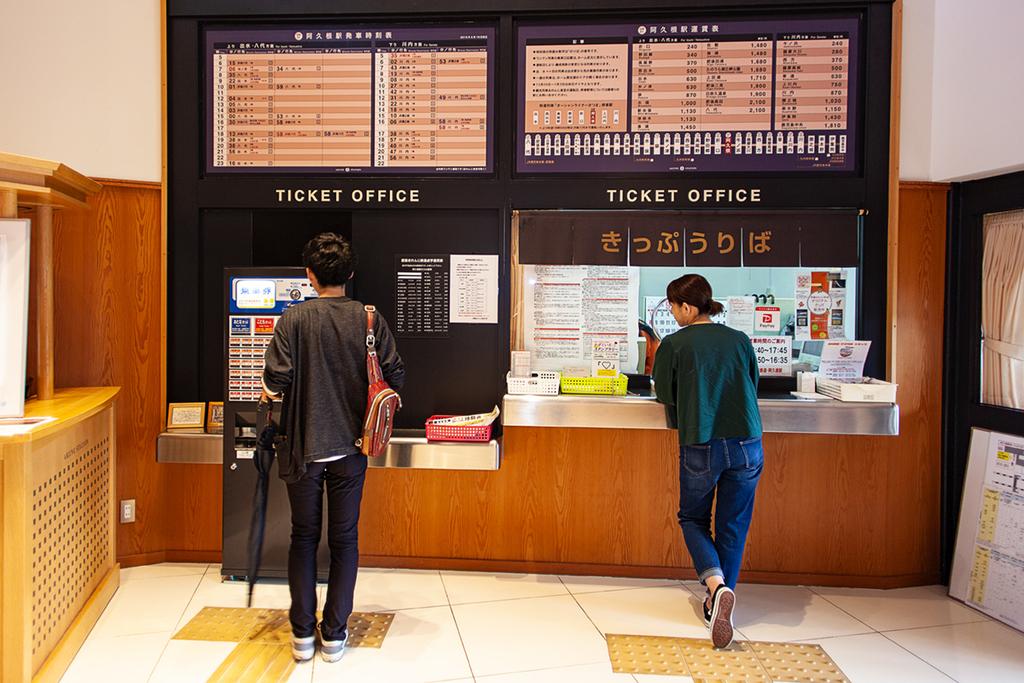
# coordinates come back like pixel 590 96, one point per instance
pixel 350 100
pixel 744 96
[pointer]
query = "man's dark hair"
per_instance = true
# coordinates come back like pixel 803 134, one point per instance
pixel 331 259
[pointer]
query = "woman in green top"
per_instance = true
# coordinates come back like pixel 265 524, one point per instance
pixel 708 374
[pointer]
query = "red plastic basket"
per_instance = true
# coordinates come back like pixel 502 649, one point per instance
pixel 436 432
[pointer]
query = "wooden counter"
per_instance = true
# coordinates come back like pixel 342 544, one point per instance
pixel 58 514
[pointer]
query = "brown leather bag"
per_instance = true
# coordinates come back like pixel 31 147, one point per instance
pixel 382 402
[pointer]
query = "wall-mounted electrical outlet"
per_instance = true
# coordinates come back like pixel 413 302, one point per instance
pixel 127 511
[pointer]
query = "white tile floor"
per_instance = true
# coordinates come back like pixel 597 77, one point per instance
pixel 462 627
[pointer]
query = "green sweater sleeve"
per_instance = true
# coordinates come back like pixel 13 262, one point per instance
pixel 665 374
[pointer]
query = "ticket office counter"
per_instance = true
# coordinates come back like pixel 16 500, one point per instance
pixel 784 415
pixel 589 485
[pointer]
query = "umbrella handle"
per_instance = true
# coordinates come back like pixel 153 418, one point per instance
pixel 264 412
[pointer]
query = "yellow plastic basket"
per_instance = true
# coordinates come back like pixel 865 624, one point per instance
pixel 601 386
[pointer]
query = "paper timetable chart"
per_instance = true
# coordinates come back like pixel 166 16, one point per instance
pixel 431 107
pixel 988 566
pixel 353 101
pixel 739 96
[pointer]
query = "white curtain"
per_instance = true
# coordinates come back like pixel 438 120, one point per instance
pixel 1002 314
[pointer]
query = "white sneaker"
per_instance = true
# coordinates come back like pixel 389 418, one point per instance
pixel 331 650
pixel 303 648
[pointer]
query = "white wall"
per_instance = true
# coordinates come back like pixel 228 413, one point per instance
pixel 978 95
pixel 963 98
pixel 916 85
pixel 81 84
pixel 87 81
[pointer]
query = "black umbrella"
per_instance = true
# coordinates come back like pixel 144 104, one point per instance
pixel 263 458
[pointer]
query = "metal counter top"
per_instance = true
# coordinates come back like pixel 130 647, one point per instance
pixel 404 451
pixel 782 415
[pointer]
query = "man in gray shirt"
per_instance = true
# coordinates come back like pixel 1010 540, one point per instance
pixel 317 361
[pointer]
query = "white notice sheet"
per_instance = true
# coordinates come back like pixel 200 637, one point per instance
pixel 567 307
pixel 988 565
pixel 474 289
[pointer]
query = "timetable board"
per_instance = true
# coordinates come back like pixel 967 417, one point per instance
pixel 350 99
pixel 688 96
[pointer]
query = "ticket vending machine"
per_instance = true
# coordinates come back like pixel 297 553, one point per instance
pixel 255 300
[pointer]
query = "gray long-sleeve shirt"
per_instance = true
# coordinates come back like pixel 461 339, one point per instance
pixel 318 359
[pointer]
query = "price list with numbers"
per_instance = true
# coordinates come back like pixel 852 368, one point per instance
pixel 342 99
pixel 729 95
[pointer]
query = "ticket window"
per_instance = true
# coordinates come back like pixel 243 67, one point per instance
pixel 807 305
pixel 791 281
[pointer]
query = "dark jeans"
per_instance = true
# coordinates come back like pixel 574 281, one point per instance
pixel 344 480
pixel 730 467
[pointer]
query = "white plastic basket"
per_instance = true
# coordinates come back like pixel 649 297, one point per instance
pixel 544 383
pixel 865 390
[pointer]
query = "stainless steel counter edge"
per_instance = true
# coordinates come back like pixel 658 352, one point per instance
pixel 790 416
pixel 403 452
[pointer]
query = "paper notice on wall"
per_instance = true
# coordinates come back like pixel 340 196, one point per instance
pixel 988 565
pixel 739 313
pixel 658 315
pixel 820 305
pixel 843 360
pixel 774 355
pixel 474 289
pixel 567 308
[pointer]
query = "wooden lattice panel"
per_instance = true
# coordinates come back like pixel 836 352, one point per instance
pixel 71 539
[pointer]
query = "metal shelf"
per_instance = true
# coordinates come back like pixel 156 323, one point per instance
pixel 404 452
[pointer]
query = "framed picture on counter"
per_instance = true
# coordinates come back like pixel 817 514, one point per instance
pixel 215 417
pixel 186 415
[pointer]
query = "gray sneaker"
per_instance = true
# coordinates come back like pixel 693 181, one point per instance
pixel 303 648
pixel 331 650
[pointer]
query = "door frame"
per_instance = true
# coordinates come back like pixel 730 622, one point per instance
pixel 962 407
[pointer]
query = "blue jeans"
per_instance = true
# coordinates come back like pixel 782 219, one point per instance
pixel 732 467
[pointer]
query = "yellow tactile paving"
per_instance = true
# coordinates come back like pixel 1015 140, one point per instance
pixel 230 624
pixel 646 655
pixel 254 662
pixel 747 662
pixel 368 629
pixel 797 663
pixel 271 627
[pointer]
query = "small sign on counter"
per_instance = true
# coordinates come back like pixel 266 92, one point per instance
pixel 604 358
pixel 843 360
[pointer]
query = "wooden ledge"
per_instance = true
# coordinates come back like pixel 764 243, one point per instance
pixel 69 406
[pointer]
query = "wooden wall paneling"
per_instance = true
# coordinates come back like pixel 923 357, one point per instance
pixel 895 92
pixel 107 275
pixel 192 512
pixel 914 486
